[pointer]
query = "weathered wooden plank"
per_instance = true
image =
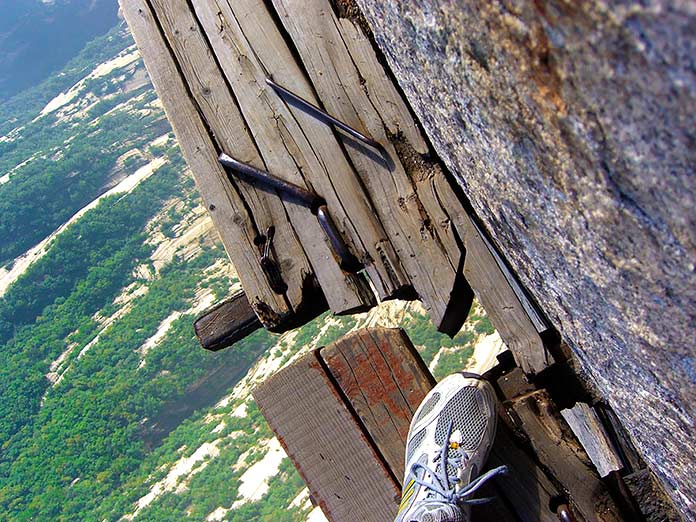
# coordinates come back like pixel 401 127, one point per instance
pixel 342 470
pixel 226 323
pixel 494 292
pixel 630 458
pixel 351 88
pixel 237 228
pixel 232 320
pixel 526 488
pixel 589 430
pixel 385 380
pixel 349 292
pixel 513 384
pixel 294 144
pixel 385 97
pixel 558 451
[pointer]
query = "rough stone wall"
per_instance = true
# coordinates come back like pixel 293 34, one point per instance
pixel 570 126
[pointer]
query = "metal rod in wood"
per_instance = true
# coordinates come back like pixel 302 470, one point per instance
pixel 267 180
pixel 346 260
pixel 319 113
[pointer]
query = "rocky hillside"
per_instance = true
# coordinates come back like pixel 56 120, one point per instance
pixel 109 410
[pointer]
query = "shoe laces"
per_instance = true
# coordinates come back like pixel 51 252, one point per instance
pixel 442 485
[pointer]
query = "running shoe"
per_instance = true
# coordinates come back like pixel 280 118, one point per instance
pixel 449 440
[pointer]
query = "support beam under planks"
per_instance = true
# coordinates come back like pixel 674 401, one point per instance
pixel 226 323
pixel 238 228
pixel 251 106
pixel 353 86
pixel 525 489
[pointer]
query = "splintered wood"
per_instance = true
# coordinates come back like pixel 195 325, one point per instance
pixel 587 427
pixel 393 206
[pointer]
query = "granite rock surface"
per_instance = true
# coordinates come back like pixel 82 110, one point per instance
pixel 571 128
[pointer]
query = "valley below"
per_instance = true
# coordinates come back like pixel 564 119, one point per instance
pixel 109 409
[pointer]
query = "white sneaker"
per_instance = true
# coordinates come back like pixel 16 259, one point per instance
pixel 448 443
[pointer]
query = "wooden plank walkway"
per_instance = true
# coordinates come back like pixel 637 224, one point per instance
pixel 398 214
pixel 394 207
pixel 359 394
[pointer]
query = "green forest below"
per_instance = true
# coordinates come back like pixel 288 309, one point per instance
pixel 80 446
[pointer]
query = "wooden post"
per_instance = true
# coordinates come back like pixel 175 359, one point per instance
pixel 518 326
pixel 589 431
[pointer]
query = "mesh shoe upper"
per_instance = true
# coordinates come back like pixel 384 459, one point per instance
pixel 454 427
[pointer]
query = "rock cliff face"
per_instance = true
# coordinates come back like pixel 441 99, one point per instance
pixel 570 126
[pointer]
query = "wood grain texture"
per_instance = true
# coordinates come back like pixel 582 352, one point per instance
pixel 589 430
pixel 383 377
pixel 525 492
pixel 236 226
pixel 565 459
pixel 494 292
pixel 198 65
pixel 226 323
pixel 353 87
pixel 343 472
pixel 295 145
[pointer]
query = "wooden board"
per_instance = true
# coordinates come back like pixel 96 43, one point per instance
pixel 237 227
pixel 385 380
pixel 352 85
pixel 227 115
pixel 558 451
pixel 295 145
pixel 589 430
pixel 341 467
pixel 493 290
pixel 394 208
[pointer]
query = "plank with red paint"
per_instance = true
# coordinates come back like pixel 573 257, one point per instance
pixel 384 379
